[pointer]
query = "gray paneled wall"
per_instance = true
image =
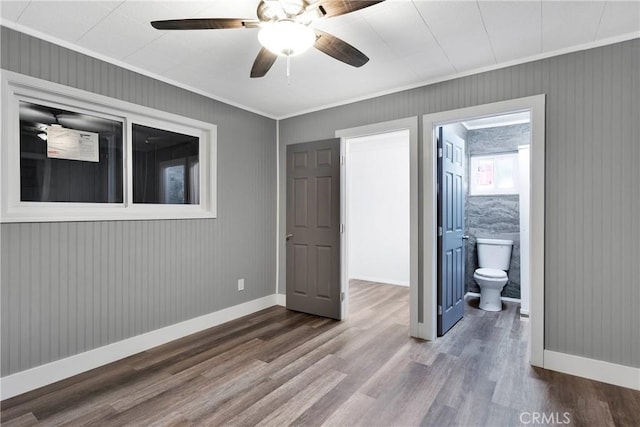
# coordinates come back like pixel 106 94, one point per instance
pixel 495 216
pixel 592 233
pixel 72 287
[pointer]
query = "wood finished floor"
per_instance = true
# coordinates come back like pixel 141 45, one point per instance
pixel 277 368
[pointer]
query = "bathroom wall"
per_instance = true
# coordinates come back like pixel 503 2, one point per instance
pixel 494 216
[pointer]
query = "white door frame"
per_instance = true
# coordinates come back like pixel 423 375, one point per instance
pixel 410 124
pixel 536 106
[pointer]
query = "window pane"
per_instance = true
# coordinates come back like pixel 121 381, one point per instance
pixel 165 167
pixel 67 156
pixel 494 174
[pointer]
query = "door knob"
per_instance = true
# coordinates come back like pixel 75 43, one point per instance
pixel 289 236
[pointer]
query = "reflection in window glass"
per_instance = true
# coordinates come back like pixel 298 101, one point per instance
pixel 173 182
pixel 165 167
pixel 66 156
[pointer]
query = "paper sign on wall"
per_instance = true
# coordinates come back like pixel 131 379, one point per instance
pixel 72 144
pixel 484 173
pixel 494 174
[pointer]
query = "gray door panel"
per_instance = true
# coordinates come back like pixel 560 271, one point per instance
pixel 313 222
pixel 451 256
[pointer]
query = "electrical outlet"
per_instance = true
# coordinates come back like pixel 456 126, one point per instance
pixel 241 284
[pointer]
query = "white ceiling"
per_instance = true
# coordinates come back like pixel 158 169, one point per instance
pixel 410 43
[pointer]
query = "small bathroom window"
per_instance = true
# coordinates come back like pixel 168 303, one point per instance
pixel 494 174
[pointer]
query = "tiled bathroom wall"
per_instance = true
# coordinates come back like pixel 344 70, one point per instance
pixel 495 216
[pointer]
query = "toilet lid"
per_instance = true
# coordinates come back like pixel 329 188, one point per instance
pixel 491 272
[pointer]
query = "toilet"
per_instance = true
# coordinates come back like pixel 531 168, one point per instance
pixel 494 257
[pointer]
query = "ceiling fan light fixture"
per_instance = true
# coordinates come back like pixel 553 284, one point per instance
pixel 286 37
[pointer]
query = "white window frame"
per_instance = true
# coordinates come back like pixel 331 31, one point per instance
pixel 17 87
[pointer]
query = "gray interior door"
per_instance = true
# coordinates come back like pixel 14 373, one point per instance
pixel 451 253
pixel 313 228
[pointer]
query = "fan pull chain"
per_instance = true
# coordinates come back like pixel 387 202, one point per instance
pixel 288 69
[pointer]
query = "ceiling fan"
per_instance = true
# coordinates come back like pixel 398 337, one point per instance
pixel 286 30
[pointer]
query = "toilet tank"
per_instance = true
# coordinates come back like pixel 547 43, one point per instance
pixel 494 253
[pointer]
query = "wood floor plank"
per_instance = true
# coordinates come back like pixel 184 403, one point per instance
pixel 268 404
pixel 77 394
pixel 278 367
pixel 359 370
pixel 24 420
pixel 624 407
pixel 254 407
pixel 350 413
pixel 243 327
pixel 196 394
pixel 87 405
pixel 387 373
pixel 291 364
pixel 441 416
pixel 225 386
pixel 88 418
pixel 305 398
pixel 504 416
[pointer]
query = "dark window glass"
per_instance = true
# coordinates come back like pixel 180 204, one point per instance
pixel 67 156
pixel 165 167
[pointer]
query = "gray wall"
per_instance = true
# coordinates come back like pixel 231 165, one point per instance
pixel 71 287
pixel 494 216
pixel 592 232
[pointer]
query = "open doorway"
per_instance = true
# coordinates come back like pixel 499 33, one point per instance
pixel 483 217
pixel 377 219
pixel 535 105
pixel 379 242
pixel 377 182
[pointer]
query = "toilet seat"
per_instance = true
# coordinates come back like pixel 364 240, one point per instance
pixel 491 273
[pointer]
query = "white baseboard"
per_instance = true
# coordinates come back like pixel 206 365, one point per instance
pixel 31 379
pixel 379 280
pixel 281 299
pixel 610 373
pixel 509 299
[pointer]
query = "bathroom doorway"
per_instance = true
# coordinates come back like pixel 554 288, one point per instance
pixel 483 183
pixel 535 105
pixel 379 207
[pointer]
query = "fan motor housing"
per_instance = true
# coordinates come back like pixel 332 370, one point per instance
pixel 285 9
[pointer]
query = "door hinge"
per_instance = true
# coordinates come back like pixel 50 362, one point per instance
pixel 341 228
pixel 342 160
pixel 440 310
pixel 439 231
pixel 341 296
pixel 440 152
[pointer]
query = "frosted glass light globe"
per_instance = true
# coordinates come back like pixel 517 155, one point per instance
pixel 286 37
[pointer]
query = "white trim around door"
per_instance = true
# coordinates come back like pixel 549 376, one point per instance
pixel 536 106
pixel 410 124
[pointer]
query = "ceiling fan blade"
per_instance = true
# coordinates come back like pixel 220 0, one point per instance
pixel 205 24
pixel 263 63
pixel 339 49
pixel 331 8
